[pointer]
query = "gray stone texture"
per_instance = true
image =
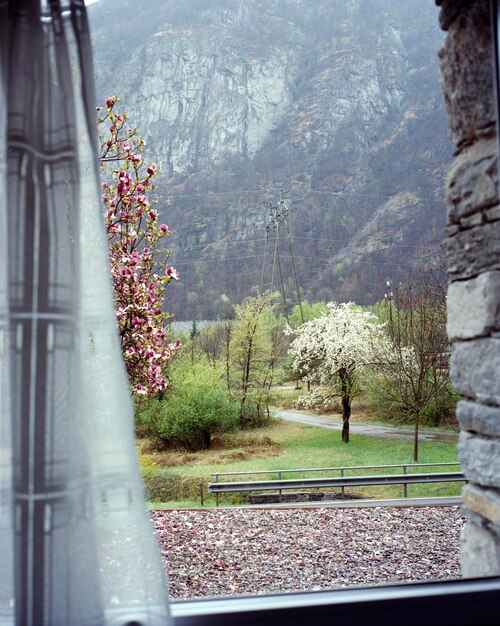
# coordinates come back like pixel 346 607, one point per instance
pixel 483 502
pixel 479 418
pixel 474 306
pixel 466 72
pixel 472 182
pixel 480 552
pixel 474 368
pixel 480 458
pixel 492 214
pixel 450 10
pixel 472 220
pixel 472 246
pixel 470 252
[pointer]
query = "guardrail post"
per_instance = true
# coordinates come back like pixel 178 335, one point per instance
pixel 279 492
pixel 201 492
pixel 342 489
pixel 405 486
pixel 217 494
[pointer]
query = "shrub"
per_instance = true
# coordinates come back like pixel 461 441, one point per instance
pixel 162 486
pixel 147 465
pixel 254 413
pixel 188 418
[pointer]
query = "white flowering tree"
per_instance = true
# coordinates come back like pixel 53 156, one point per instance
pixel 335 349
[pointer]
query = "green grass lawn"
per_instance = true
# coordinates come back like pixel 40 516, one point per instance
pixel 284 445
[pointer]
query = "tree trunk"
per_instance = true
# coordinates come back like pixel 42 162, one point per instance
pixel 346 414
pixel 346 405
pixel 415 439
pixel 207 439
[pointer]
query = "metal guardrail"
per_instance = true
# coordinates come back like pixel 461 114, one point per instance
pixel 331 469
pixel 342 481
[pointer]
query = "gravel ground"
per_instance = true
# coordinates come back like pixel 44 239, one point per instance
pixel 237 551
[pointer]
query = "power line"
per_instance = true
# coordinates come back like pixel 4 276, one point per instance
pixel 300 237
pixel 207 194
pixel 223 259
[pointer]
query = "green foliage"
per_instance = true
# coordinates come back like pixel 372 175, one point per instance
pixel 195 409
pixel 163 486
pixel 147 465
pixel 189 418
pixel 254 347
pixel 184 373
pixel 254 412
pixel 310 311
pixel 415 380
pixel 386 403
pixel 211 341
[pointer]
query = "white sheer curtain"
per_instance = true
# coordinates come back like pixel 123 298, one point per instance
pixel 76 543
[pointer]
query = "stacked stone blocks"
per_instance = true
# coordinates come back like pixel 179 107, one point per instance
pixel 472 246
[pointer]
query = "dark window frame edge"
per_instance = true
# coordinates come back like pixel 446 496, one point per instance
pixel 443 602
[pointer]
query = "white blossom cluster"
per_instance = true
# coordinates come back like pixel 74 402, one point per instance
pixel 345 338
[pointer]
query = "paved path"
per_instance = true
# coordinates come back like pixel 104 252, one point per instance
pixel 365 428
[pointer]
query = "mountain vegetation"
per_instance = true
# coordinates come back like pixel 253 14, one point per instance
pixel 336 103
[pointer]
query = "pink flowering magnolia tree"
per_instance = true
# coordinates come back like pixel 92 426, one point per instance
pixel 138 256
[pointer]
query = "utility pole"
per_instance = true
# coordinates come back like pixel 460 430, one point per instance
pixel 279 219
pixel 389 297
pixel 290 248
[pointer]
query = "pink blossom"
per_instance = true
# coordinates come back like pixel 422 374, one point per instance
pixel 173 273
pixel 139 289
pixel 140 390
pixel 124 177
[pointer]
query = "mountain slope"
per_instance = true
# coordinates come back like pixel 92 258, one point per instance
pixel 338 103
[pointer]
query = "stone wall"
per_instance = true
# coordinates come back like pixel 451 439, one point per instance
pixel 473 250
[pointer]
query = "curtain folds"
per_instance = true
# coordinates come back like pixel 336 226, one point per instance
pixel 76 544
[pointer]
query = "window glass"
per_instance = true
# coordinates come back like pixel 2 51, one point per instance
pixel 302 148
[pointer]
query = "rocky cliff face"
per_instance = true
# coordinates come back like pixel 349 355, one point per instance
pixel 338 102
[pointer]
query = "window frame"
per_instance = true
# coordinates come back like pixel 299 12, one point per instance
pixel 449 602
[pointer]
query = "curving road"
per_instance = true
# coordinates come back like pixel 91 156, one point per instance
pixel 365 428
